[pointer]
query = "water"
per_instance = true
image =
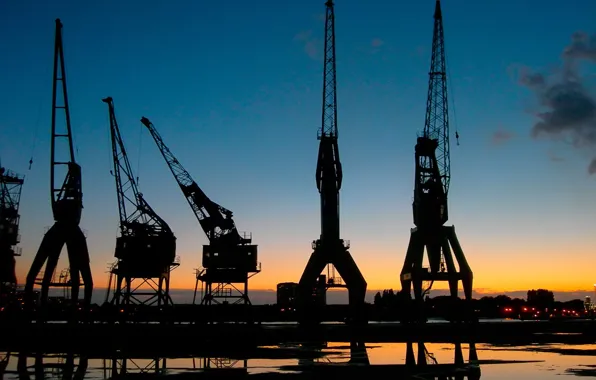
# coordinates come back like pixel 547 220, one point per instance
pixel 386 360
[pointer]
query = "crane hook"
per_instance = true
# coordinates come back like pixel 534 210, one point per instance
pixel 457 137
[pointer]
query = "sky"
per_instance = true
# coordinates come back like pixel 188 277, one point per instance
pixel 234 88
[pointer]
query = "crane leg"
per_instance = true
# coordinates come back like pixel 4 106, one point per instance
pixel 308 280
pixel 78 256
pixel 348 270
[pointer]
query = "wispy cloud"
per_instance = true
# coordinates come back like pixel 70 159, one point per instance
pixel 554 157
pixel 377 42
pixel 319 16
pixel 501 136
pixel 568 105
pixel 311 45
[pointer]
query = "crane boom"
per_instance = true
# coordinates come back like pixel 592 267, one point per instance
pixel 214 219
pixel 139 211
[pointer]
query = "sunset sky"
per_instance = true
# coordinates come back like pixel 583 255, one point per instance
pixel 234 88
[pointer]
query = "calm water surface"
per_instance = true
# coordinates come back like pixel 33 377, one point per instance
pixel 495 362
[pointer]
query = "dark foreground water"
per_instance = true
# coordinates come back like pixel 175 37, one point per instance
pixel 333 360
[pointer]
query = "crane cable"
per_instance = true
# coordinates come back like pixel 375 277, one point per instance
pixel 37 123
pixel 139 152
pixel 452 97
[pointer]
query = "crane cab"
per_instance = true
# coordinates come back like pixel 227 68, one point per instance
pixel 238 257
pixel 147 255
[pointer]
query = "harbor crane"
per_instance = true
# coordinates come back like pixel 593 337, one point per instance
pixel 431 186
pixel 230 258
pixel 11 185
pixel 329 248
pixel 146 247
pixel 66 196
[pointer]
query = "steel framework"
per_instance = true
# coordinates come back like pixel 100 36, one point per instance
pixel 330 249
pixel 11 185
pixel 430 209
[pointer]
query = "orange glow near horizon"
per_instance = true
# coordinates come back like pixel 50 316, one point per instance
pixel 494 271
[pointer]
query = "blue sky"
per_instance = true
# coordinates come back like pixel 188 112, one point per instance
pixel 235 90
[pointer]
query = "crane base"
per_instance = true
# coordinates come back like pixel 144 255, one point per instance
pixel 439 244
pixel 309 290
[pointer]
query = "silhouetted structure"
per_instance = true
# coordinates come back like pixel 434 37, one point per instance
pixel 430 193
pixel 286 295
pixel 67 204
pixel 330 248
pixel 146 248
pixel 230 258
pixel 11 185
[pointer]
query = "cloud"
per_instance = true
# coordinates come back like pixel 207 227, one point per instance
pixel 554 157
pixel 320 17
pixel 377 42
pixel 568 106
pixel 501 136
pixel 312 46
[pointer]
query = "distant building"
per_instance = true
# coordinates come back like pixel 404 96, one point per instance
pixel 588 304
pixel 286 295
pixel 288 291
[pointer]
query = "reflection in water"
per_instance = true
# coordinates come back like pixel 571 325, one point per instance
pixel 4 358
pixel 120 367
pixel 219 363
pixel 414 360
pixel 358 353
pixel 52 366
pixel 456 370
pixel 419 363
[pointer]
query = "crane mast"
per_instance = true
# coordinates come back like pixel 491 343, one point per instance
pixel 329 249
pixel 229 257
pixel 431 186
pixel 146 247
pixel 66 199
pixel 329 173
pixel 432 148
